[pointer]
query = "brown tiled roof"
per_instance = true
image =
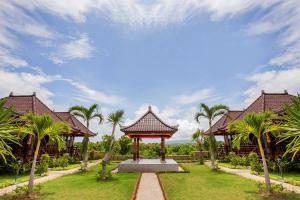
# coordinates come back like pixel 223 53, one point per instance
pixel 149 123
pixel 23 104
pixel 221 124
pixel 268 102
pixel 77 126
pixel 265 102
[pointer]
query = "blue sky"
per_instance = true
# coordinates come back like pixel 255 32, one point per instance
pixel 131 54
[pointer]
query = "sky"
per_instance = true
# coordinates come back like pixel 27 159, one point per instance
pixel 129 54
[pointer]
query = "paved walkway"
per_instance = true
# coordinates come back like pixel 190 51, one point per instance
pixel 149 188
pixel 52 175
pixel 246 173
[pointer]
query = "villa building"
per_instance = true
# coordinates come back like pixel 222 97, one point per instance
pixel 265 102
pixel 23 104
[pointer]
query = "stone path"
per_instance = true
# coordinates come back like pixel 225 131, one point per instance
pixel 246 173
pixel 149 188
pixel 52 175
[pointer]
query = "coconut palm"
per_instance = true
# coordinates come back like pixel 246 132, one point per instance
pixel 198 137
pixel 211 113
pixel 115 119
pixel 292 127
pixel 257 125
pixel 8 131
pixel 41 126
pixel 86 114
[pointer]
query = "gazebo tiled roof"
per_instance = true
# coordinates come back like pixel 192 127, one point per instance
pixel 23 104
pixel 265 102
pixel 149 125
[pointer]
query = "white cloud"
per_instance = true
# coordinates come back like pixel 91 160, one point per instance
pixel 88 94
pixel 26 83
pixel 8 59
pixel 76 49
pixel 195 97
pixel 273 81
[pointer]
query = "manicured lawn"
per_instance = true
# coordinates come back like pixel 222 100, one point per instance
pixel 202 183
pixel 83 185
pixel 7 180
pixel 290 177
pixel 228 165
pixel 70 166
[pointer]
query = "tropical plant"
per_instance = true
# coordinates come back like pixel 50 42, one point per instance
pixel 291 128
pixel 211 113
pixel 39 127
pixel 8 131
pixel 115 119
pixel 198 137
pixel 125 144
pixel 86 114
pixel 258 125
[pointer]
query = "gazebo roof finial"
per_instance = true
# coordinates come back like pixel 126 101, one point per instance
pixel 149 108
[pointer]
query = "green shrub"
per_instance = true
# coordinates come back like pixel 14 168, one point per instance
pixel 74 160
pixel 255 165
pixel 43 164
pixel 63 161
pixel 234 159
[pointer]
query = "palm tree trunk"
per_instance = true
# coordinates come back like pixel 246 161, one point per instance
pixel 107 154
pixel 266 172
pixel 31 178
pixel 85 149
pixel 85 152
pixel 212 147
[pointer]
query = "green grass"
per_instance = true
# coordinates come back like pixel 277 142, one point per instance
pixel 84 185
pixel 70 166
pixel 202 183
pixel 7 180
pixel 290 177
pixel 228 165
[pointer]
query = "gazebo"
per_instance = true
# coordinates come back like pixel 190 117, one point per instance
pixel 149 126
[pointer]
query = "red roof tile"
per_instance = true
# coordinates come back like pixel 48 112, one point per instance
pixel 149 123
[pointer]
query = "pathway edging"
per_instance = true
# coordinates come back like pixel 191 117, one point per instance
pixel 149 188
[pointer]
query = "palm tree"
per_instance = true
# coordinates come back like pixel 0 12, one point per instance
pixel 115 118
pixel 198 137
pixel 258 125
pixel 292 127
pixel 211 113
pixel 86 114
pixel 8 131
pixel 41 126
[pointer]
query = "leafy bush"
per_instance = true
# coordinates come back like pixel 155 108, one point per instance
pixel 255 165
pixel 74 160
pixel 63 161
pixel 234 159
pixel 43 165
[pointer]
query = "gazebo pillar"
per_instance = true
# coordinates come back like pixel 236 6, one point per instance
pixel 134 148
pixel 138 148
pixel 226 144
pixel 162 148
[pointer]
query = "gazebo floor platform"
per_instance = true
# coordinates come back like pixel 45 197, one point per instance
pixel 148 165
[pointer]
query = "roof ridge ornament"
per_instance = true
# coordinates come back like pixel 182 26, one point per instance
pixel 150 108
